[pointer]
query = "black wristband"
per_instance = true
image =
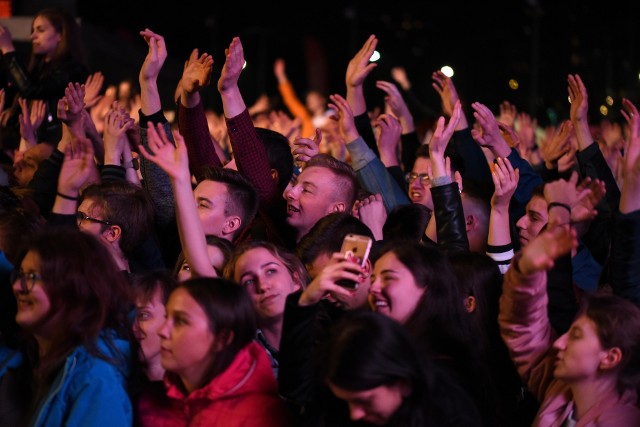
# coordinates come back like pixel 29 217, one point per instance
pixel 562 205
pixel 64 196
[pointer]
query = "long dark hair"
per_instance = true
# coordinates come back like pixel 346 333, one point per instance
pixel 230 314
pixel 440 324
pixel 70 47
pixel 366 350
pixel 88 295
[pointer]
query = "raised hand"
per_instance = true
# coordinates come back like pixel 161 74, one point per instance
pixel 344 117
pixel 440 139
pixel 70 106
pixel 279 69
pixel 77 167
pixel 579 100
pixel 197 72
pixel 508 113
pixel 305 148
pixel 505 181
pixel 489 134
pixel 446 89
pixel 232 66
pixel 398 106
pixel 324 283
pixel 115 127
pixel 541 252
pixel 557 145
pixel 371 211
pixel 399 74
pixel 93 88
pixel 156 55
pixel 6 40
pixel 388 138
pixel 281 122
pixel 630 197
pixel 173 160
pixel 30 120
pixel 585 209
pixel 359 67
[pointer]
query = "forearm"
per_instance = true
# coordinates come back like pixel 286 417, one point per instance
pixel 192 238
pixel 195 130
pixel 149 97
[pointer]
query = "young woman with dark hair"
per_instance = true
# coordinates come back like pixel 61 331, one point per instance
pixel 414 284
pixel 371 362
pixel 217 375
pixel 73 302
pixel 57 59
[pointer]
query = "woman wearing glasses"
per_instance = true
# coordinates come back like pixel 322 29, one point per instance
pixel 73 304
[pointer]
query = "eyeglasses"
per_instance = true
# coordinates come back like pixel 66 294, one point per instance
pixel 27 280
pixel 424 178
pixel 84 217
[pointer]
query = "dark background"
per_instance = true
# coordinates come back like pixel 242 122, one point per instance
pixel 535 42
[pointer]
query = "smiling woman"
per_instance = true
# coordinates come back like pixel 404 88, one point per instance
pixel 74 306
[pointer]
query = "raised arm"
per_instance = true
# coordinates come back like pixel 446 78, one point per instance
pixel 499 244
pixel 156 182
pixel 358 69
pixel 371 173
pixel 523 319
pixel 625 243
pixel 192 119
pixel 174 161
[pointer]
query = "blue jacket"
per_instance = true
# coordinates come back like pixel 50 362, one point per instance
pixel 89 391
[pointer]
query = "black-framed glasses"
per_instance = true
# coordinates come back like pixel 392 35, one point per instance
pixel 27 280
pixel 84 217
pixel 424 178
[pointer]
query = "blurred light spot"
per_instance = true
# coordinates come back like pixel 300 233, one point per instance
pixel 513 84
pixel 604 110
pixel 447 71
pixel 609 101
pixel 244 65
pixel 375 56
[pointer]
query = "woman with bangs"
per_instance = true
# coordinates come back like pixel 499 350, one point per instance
pixel 73 304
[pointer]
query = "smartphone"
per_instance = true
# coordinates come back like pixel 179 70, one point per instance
pixel 356 248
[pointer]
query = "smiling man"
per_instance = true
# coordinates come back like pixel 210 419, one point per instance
pixel 326 185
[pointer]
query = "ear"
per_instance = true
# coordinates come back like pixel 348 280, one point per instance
pixel 112 233
pixel 224 339
pixel 337 207
pixel 274 175
pixel 470 304
pixel 611 358
pixel 297 282
pixel 470 222
pixel 231 224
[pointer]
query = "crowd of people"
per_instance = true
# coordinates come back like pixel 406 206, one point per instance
pixel 187 270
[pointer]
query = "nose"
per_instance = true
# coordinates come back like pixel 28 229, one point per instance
pixel 416 183
pixel 561 342
pixel 356 412
pixel 262 285
pixel 375 287
pixel 291 192
pixel 522 222
pixel 163 331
